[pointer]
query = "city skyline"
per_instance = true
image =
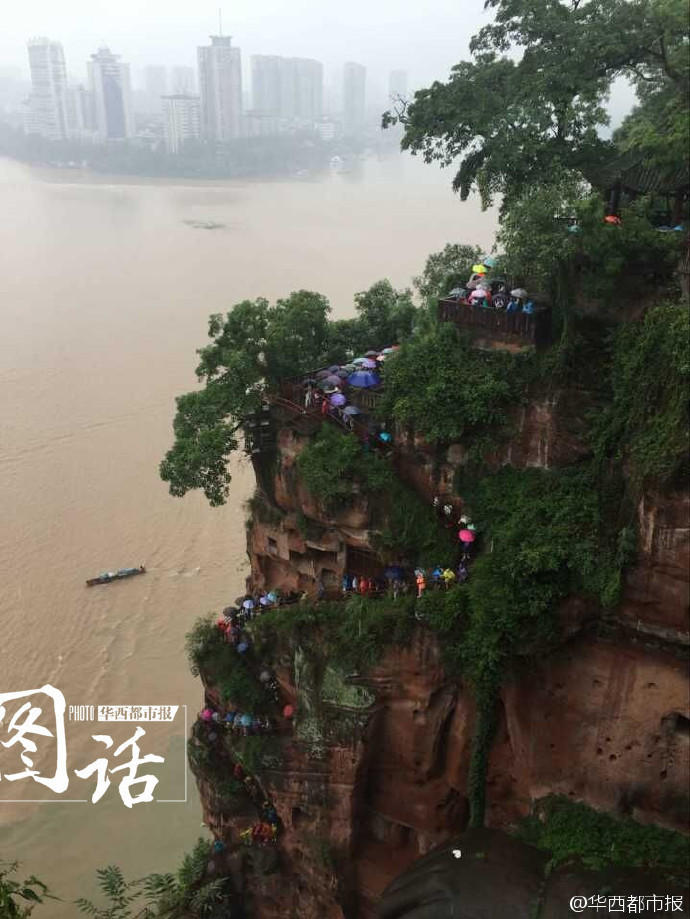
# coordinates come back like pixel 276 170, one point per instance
pixel 391 36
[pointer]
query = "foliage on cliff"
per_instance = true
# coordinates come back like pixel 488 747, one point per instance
pixel 645 425
pixel 220 665
pixel 333 466
pixel 254 346
pixel 567 828
pixel 449 391
pixel 353 634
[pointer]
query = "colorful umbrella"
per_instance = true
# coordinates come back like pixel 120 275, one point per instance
pixel 466 536
pixel 207 714
pixel 351 410
pixel 288 711
pixel 363 379
pixel 338 399
pixel 479 268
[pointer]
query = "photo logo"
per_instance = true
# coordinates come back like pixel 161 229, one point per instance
pixel 32 728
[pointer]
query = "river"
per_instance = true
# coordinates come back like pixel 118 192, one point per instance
pixel 105 289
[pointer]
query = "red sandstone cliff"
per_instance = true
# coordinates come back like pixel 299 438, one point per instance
pixel 602 720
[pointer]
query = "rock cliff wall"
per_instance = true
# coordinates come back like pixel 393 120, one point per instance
pixel 603 720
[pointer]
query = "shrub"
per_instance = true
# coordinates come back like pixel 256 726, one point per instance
pixel 567 828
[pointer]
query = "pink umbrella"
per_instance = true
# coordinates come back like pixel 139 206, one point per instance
pixel 207 714
pixel 368 363
pixel 338 399
pixel 466 536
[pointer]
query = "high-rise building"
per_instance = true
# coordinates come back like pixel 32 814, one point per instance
pixel 267 78
pixel 354 94
pixel 183 81
pixel 155 86
pixel 46 111
pixel 397 84
pixel 110 85
pixel 288 87
pixel 220 85
pixel 182 120
pixel 308 81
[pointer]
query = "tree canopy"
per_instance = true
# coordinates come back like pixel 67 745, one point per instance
pixel 252 347
pixel 532 98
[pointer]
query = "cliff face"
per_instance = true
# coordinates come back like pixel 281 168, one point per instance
pixel 603 720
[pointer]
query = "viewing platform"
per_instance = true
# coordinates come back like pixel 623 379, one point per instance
pixel 496 329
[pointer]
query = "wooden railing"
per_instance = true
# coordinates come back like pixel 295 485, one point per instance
pixel 533 328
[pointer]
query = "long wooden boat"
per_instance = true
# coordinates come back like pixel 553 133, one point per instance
pixel 109 576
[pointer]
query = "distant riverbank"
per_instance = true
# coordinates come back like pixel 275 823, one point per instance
pixel 298 155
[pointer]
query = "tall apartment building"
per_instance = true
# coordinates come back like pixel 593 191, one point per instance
pixel 155 86
pixel 267 78
pixel 183 81
pixel 220 85
pixel 111 89
pixel 307 77
pixel 397 84
pixel 181 120
pixel 289 88
pixel 354 95
pixel 46 108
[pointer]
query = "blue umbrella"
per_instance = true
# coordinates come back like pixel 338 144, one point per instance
pixel 242 647
pixel 363 379
pixel 246 720
pixel 490 262
pixel 337 399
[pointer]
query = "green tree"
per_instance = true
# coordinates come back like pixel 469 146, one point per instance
pixel 444 270
pixel 252 347
pixel 387 315
pixel 18 898
pixel 532 99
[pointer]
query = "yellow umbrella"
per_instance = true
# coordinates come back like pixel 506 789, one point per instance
pixel 479 268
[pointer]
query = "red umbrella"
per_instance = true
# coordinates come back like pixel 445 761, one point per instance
pixel 288 711
pixel 466 536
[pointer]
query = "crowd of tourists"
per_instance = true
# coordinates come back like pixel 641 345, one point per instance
pixel 329 390
pixel 494 293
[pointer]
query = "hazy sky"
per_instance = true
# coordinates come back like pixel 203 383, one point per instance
pixel 424 37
